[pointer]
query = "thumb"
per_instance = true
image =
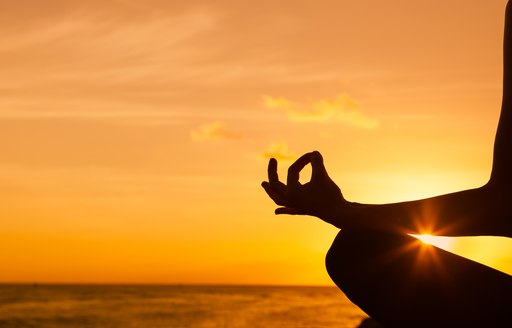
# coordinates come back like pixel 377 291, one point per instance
pixel 318 171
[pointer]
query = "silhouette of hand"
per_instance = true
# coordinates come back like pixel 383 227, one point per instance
pixel 319 197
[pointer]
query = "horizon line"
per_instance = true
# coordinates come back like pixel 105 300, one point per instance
pixel 35 283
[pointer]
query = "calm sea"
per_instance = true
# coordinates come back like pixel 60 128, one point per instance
pixel 175 306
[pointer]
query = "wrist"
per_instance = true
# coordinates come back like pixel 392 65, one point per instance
pixel 341 213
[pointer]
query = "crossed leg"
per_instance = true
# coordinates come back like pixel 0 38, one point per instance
pixel 401 282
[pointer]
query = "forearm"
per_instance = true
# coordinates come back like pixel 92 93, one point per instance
pixel 467 213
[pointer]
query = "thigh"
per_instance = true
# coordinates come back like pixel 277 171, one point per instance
pixel 401 282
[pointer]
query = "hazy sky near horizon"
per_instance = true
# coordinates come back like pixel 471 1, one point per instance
pixel 134 135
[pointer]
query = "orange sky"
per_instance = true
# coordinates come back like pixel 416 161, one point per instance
pixel 133 135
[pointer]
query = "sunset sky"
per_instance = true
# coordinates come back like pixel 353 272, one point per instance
pixel 134 134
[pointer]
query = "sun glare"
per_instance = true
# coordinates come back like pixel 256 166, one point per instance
pixel 441 242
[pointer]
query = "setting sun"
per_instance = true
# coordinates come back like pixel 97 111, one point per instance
pixel 445 243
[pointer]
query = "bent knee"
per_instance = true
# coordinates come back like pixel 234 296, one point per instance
pixel 346 251
pixel 339 261
pixel 353 259
pixel 333 258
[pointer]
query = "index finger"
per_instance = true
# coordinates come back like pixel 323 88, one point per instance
pixel 296 167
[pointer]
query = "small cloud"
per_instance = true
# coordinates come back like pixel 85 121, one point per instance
pixel 213 131
pixel 279 150
pixel 276 103
pixel 341 108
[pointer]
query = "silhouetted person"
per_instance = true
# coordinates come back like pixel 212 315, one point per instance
pixel 390 275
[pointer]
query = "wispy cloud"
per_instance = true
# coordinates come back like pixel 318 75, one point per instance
pixel 280 151
pixel 102 59
pixel 213 131
pixel 340 108
pixel 277 103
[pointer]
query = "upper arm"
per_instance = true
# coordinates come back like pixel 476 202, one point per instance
pixel 502 158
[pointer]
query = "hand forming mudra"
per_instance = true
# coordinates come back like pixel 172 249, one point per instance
pixel 319 197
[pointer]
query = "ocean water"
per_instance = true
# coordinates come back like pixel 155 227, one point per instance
pixel 148 306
